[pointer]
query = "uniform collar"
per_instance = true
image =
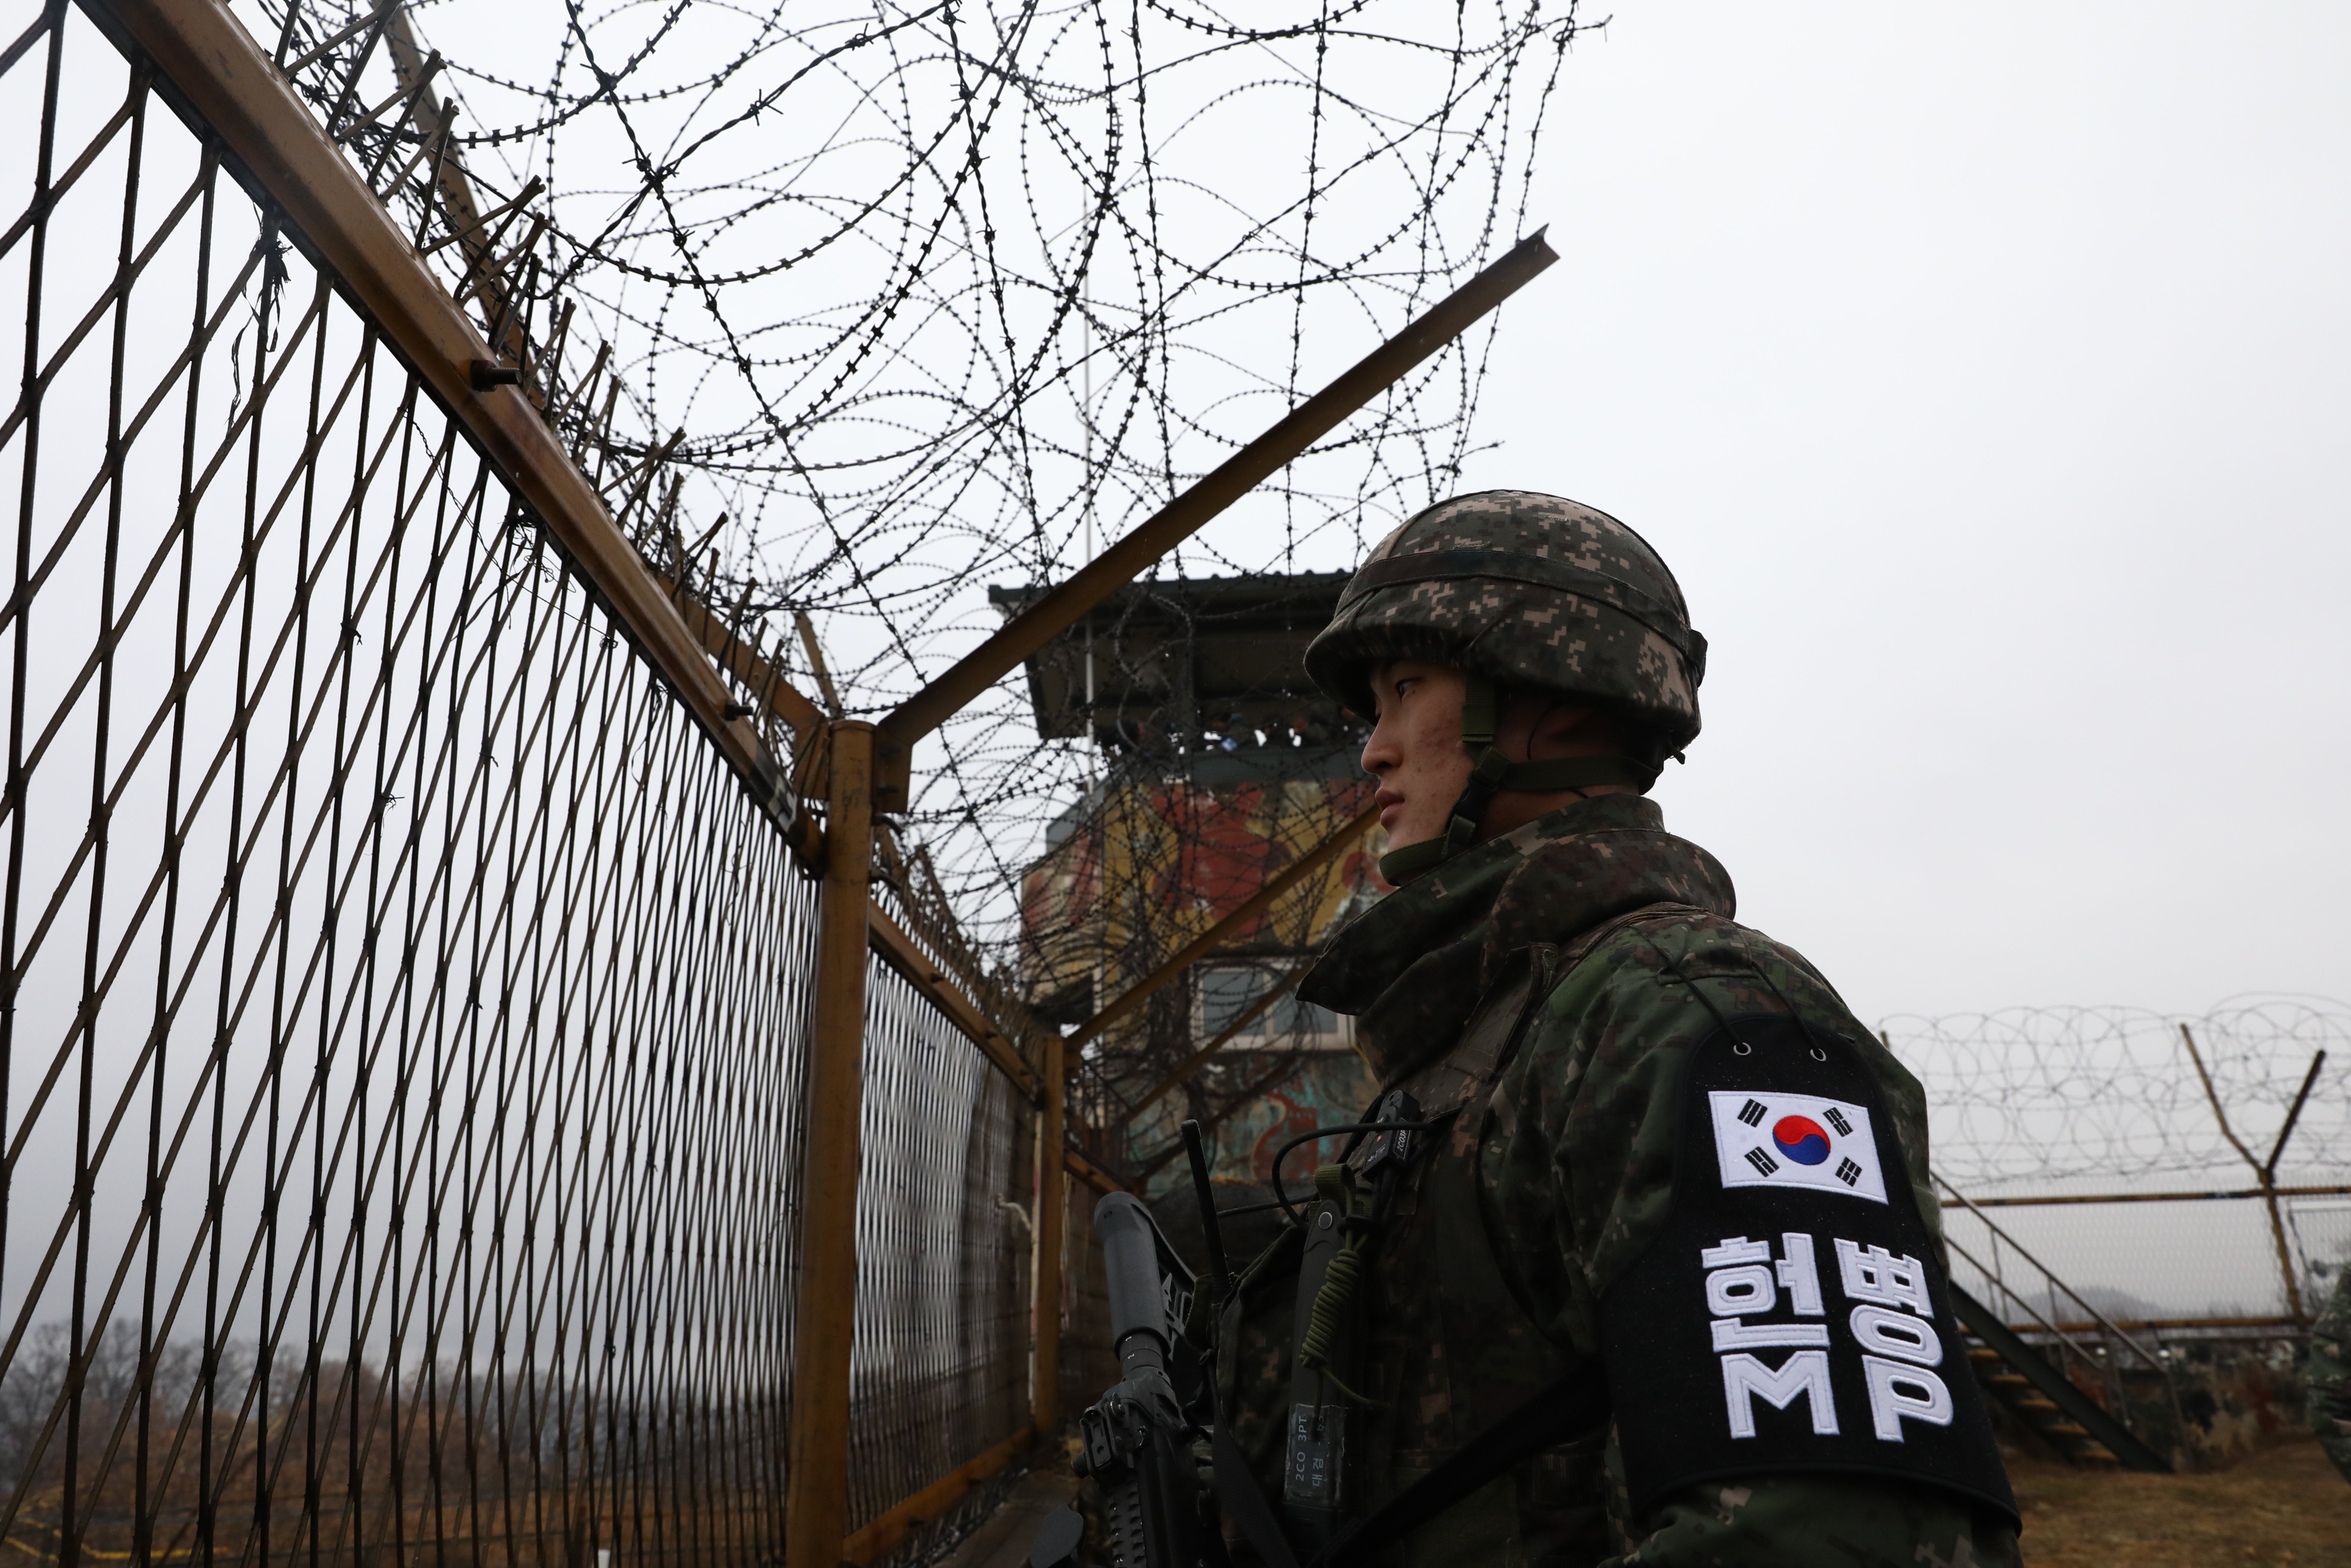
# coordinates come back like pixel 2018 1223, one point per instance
pixel 1416 961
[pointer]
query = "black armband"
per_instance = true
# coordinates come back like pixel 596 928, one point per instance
pixel 1792 1315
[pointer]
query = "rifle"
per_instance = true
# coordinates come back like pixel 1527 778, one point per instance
pixel 1137 1437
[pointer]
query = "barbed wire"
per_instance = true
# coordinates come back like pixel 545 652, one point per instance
pixel 2110 1099
pixel 944 296
pixel 910 300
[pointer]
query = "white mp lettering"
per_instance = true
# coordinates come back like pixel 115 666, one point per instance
pixel 1734 1250
pixel 1731 1291
pixel 1730 1333
pixel 1746 1379
pixel 1899 1334
pixel 1899 1392
pixel 1888 1279
pixel 1801 1274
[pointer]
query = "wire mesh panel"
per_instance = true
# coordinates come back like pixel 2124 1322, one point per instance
pixel 399 1047
pixel 2165 1263
pixel 1089 1361
pixel 945 1222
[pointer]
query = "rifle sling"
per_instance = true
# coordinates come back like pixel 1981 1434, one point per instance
pixel 1237 1490
pixel 1575 1404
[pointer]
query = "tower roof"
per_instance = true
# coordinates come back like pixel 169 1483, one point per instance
pixel 1188 665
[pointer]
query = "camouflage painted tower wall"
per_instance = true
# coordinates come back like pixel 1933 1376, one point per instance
pixel 1222 767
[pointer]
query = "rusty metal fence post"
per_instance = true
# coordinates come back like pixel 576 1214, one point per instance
pixel 2263 1171
pixel 869 769
pixel 817 1500
pixel 1052 1210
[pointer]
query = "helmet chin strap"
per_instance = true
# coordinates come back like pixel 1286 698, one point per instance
pixel 1493 774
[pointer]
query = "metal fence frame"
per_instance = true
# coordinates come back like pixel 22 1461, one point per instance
pixel 885 983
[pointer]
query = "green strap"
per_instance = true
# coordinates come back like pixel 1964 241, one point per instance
pixel 1486 781
pixel 1481 711
pixel 1573 1405
pixel 1496 774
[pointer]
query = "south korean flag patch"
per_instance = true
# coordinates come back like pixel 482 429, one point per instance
pixel 1763 1138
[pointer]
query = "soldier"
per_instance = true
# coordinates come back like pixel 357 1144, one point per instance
pixel 1665 1272
pixel 2329 1374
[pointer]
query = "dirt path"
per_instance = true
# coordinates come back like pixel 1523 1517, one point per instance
pixel 2284 1505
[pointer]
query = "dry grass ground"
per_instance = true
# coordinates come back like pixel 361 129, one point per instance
pixel 2283 1505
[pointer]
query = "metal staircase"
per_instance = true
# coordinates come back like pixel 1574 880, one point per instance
pixel 2062 1380
pixel 2023 1379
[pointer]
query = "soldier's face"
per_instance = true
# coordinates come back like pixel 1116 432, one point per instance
pixel 1416 749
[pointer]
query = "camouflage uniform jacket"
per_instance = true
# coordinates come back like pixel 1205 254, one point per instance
pixel 1524 984
pixel 2330 1375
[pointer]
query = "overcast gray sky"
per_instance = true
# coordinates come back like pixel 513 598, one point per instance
pixel 1984 372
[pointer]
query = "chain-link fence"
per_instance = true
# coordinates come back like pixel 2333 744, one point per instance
pixel 402 1044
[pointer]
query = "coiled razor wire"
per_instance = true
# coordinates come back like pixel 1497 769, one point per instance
pixel 909 299
pixel 2110 1099
pixel 921 298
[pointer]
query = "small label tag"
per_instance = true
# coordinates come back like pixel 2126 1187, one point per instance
pixel 1317 1456
pixel 1763 1139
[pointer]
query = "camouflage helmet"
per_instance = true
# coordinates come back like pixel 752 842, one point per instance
pixel 1526 589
